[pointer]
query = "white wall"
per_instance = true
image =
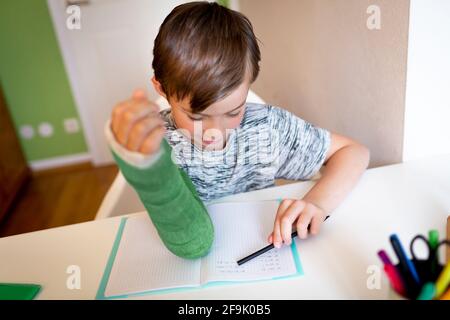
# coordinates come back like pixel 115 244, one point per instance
pixel 427 110
pixel 320 61
pixel 107 58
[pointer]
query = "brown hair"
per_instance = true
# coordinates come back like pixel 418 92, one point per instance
pixel 203 51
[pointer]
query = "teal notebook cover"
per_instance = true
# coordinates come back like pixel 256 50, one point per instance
pixel 106 274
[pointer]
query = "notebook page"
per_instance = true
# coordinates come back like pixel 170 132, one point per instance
pixel 143 263
pixel 242 228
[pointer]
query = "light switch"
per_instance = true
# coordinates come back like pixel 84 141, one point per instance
pixel 71 125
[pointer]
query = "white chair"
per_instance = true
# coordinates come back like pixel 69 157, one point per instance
pixel 121 197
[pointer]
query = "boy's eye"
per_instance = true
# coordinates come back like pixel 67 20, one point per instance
pixel 233 114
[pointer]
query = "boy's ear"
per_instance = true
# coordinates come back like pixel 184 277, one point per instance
pixel 158 87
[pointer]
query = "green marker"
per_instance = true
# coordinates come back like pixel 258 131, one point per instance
pixel 428 291
pixel 433 241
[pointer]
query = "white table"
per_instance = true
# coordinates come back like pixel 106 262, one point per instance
pixel 408 198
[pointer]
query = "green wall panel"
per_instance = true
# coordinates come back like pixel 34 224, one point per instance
pixel 34 79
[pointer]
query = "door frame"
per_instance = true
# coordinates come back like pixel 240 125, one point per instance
pixel 58 15
pixel 57 10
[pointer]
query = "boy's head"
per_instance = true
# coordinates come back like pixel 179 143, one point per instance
pixel 205 57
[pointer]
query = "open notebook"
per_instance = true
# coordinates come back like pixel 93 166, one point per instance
pixel 140 263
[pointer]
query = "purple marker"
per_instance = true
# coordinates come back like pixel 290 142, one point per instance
pixel 384 257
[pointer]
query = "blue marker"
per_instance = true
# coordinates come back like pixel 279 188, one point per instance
pixel 407 268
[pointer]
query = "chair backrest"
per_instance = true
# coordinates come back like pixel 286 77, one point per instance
pixel 121 198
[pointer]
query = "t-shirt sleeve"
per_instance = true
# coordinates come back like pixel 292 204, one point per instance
pixel 300 147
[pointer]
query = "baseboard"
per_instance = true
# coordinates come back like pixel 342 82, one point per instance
pixel 52 163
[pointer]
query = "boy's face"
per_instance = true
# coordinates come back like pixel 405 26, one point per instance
pixel 208 128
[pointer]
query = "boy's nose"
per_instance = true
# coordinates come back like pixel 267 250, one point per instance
pixel 213 125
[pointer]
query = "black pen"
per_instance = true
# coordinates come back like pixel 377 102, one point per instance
pixel 266 248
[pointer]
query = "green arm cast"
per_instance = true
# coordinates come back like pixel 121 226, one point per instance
pixel 168 194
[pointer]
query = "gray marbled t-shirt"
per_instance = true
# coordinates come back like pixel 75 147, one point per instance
pixel 270 143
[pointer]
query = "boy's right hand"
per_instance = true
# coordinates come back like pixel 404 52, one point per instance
pixel 137 125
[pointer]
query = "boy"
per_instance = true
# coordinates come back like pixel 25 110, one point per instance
pixel 205 58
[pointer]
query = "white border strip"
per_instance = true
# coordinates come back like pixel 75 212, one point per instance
pixel 59 161
pixel 58 16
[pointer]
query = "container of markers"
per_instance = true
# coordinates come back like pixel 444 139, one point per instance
pixel 422 278
pixel 426 290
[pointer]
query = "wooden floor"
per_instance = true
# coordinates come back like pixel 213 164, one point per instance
pixel 61 197
pixel 58 197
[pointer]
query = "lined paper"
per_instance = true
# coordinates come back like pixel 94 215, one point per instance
pixel 142 262
pixel 241 229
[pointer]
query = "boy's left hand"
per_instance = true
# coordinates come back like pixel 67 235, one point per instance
pixel 299 212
